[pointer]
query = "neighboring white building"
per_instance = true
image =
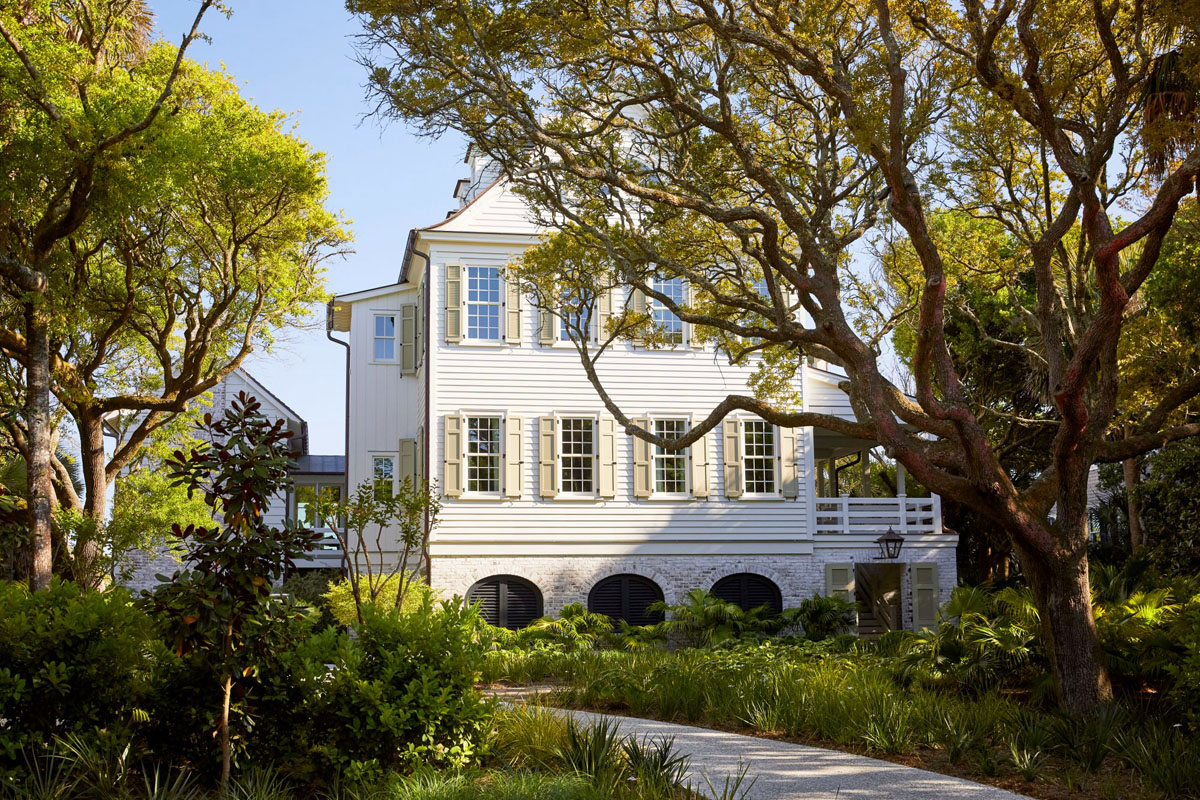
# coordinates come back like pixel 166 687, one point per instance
pixel 455 379
pixel 311 474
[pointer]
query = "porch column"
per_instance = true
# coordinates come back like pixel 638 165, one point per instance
pixel 903 498
pixel 864 461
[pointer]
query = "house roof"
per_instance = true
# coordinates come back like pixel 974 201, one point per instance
pixel 320 465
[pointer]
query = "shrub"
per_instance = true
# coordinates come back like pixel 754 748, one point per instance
pixel 340 598
pixel 72 660
pixel 824 617
pixel 310 586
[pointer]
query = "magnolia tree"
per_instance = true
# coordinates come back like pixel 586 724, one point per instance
pixel 754 148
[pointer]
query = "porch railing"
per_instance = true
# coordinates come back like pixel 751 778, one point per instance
pixel 871 516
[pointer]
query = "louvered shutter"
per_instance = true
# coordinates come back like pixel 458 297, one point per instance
pixel 637 302
pixel 608 457
pixel 408 338
pixel 548 457
pixel 789 477
pixel 422 458
pixel 452 474
pixel 545 327
pixel 839 580
pixel 487 595
pixel 408 462
pixel 690 337
pixel 732 446
pixel 603 314
pixel 506 601
pixel 420 338
pixel 625 598
pixel 454 303
pixel 512 312
pixel 747 591
pixel 699 453
pixel 643 469
pixel 514 431
pixel 925 595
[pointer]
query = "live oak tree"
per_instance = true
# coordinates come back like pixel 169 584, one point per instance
pixel 198 244
pixel 749 146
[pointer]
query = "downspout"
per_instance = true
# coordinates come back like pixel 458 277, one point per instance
pixel 329 336
pixel 424 455
pixel 837 471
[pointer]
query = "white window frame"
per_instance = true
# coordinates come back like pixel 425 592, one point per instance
pixel 498 456
pixel 394 316
pixel 653 306
pixel 562 338
pixel 684 456
pixel 394 457
pixel 560 457
pixel 468 304
pixel 318 487
pixel 776 492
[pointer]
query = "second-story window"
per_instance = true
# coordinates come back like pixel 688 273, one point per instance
pixel 383 476
pixel 483 303
pixel 670 466
pixel 385 337
pixel 483 455
pixel 573 316
pixel 758 456
pixel 308 497
pixel 664 319
pixel 577 456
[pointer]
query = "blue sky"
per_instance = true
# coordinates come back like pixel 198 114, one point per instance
pixel 297 56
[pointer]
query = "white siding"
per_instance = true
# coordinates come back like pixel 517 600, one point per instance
pixel 531 380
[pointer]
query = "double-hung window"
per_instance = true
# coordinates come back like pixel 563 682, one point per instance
pixel 574 316
pixel 383 476
pixel 307 498
pixel 759 452
pixel 670 326
pixel 484 303
pixel 483 455
pixel 385 337
pixel 670 466
pixel 577 456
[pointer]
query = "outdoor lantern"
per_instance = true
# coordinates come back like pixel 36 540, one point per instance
pixel 889 544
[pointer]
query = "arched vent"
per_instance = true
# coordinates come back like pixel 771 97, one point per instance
pixel 749 591
pixel 507 601
pixel 625 597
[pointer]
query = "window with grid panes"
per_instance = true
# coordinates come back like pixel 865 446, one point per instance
pixel 664 319
pixel 758 456
pixel 577 455
pixel 573 316
pixel 483 302
pixel 670 467
pixel 483 454
pixel 383 471
pixel 385 337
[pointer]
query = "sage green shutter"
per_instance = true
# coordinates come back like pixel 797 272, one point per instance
pixel 839 580
pixel 421 324
pixel 925 595
pixel 545 327
pixel 732 445
pixel 637 302
pixel 408 462
pixel 452 473
pixel 690 339
pixel 548 457
pixel 789 477
pixel 608 457
pixel 513 448
pixel 603 314
pixel 408 338
pixel 699 452
pixel 512 312
pixel 643 469
pixel 454 303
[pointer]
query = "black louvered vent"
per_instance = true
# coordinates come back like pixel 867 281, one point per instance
pixel 625 597
pixel 749 591
pixel 506 601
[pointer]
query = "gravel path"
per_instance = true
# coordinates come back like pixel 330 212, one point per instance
pixel 785 771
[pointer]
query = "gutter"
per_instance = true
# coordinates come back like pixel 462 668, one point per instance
pixel 329 336
pixel 409 251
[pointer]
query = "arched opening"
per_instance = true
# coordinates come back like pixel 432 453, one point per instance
pixel 625 597
pixel 506 601
pixel 748 591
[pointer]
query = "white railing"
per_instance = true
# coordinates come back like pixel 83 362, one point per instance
pixel 871 516
pixel 327 554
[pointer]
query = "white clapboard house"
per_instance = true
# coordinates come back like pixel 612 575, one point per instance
pixel 454 378
pixel 312 476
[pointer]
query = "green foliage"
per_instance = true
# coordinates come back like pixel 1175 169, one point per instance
pixel 72 661
pixel 703 619
pixel 339 597
pixel 576 628
pixel 823 617
pixel 311 586
pixel 1171 507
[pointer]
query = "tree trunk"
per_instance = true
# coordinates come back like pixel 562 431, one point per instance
pixel 1064 600
pixel 95 504
pixel 1132 467
pixel 38 423
pixel 223 732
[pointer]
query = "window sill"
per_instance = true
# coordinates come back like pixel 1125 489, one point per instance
pixel 761 497
pixel 663 497
pixel 476 497
pixel 483 343
pixel 376 363
pixel 578 498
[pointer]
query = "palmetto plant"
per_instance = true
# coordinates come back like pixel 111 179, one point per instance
pixel 575 629
pixel 703 618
